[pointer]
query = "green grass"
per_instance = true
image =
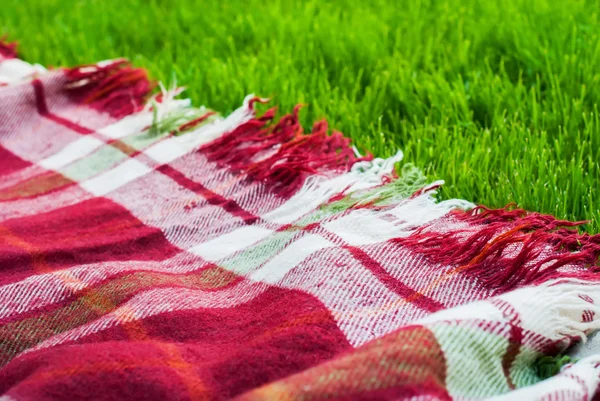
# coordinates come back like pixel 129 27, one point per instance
pixel 500 99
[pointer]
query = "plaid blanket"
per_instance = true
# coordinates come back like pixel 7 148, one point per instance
pixel 154 250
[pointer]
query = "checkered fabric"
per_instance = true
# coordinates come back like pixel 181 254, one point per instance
pixel 150 250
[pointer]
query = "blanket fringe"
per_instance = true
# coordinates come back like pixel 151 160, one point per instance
pixel 281 154
pixel 113 86
pixel 504 248
pixel 509 247
pixel 7 49
pixel 394 188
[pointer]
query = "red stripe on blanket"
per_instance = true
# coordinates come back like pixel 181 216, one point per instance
pixel 90 231
pixel 42 108
pixel 211 197
pixel 407 293
pixel 515 339
pixel 191 354
pixel 9 162
pixel 25 330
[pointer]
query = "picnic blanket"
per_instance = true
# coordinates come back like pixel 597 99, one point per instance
pixel 152 250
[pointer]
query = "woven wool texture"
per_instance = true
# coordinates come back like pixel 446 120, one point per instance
pixel 151 250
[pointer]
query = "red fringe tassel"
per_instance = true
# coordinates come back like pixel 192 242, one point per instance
pixel 7 49
pixel 544 243
pixel 282 155
pixel 115 88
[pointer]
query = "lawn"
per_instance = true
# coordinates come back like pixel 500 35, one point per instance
pixel 500 99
